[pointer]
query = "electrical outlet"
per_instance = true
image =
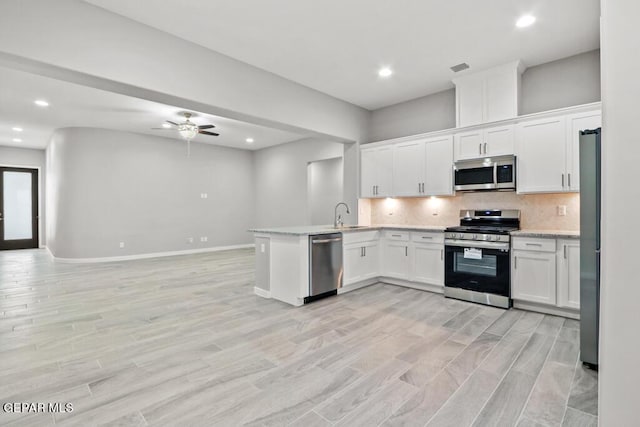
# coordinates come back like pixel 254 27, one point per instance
pixel 204 196
pixel 204 239
pixel 562 210
pixel 190 240
pixel 262 247
pixel 121 245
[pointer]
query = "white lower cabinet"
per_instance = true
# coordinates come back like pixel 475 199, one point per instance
pixel 361 261
pixel 428 263
pixel 569 273
pixel 546 271
pixel 534 277
pixel 395 259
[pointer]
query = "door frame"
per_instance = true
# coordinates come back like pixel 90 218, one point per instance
pixel 39 200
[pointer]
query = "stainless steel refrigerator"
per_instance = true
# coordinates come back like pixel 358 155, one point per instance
pixel 589 246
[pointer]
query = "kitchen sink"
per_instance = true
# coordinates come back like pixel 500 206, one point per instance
pixel 350 227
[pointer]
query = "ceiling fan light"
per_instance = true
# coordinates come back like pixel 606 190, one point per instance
pixel 188 130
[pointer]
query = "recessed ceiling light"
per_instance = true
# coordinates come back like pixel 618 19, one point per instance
pixel 17 140
pixel 249 140
pixel 41 103
pixel 17 129
pixel 166 125
pixel 525 21
pixel 385 72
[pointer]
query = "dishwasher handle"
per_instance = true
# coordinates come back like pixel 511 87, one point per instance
pixel 315 242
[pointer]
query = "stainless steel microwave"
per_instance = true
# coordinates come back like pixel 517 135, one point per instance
pixel 491 173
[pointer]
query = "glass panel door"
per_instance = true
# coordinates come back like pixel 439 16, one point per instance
pixel 18 208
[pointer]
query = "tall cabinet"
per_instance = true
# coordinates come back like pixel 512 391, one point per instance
pixel 376 172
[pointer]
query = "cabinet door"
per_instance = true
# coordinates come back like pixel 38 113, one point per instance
pixel 533 277
pixel 439 167
pixel 396 260
pixel 499 141
pixel 575 124
pixel 569 273
pixel 470 100
pixel 541 156
pixel 371 260
pixel 500 99
pixel 384 172
pixel 428 264
pixel 353 263
pixel 468 145
pixel 408 168
pixel 367 173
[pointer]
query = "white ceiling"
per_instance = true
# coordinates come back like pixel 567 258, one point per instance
pixel 74 105
pixel 337 46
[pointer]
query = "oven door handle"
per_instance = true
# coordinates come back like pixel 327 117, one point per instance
pixel 476 244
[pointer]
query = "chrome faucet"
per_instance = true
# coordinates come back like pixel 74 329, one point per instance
pixel 337 219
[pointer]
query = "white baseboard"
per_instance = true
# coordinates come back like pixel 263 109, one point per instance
pixel 541 308
pixel 437 289
pixel 150 255
pixel 261 292
pixel 357 285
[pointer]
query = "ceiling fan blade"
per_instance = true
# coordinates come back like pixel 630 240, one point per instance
pixel 171 123
pixel 162 129
pixel 206 126
pixel 204 132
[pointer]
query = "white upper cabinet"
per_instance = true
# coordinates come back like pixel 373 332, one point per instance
pixel 489 95
pixel 541 150
pixel 439 167
pixel 548 152
pixel 493 141
pixel 423 167
pixel 408 168
pixel 575 124
pixel 376 172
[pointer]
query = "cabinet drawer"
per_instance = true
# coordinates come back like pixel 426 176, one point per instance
pixel 359 236
pixel 534 244
pixel 396 235
pixel 427 237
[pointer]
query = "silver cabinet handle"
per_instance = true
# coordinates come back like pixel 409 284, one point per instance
pixel 361 251
pixel 480 148
pixel 364 250
pixel 533 244
pixel 406 251
pixel 419 188
pixel 377 192
pixel 427 237
pixel 562 180
pixel 569 180
pixel 515 262
pixel 565 251
pixel 441 254
pixel 485 148
pixel 396 235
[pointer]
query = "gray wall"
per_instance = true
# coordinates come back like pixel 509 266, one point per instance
pixel 420 115
pixel 13 156
pixel 619 375
pixel 281 181
pixel 569 81
pixel 106 187
pixel 324 189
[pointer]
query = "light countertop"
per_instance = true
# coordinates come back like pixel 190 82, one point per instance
pixel 563 234
pixel 302 230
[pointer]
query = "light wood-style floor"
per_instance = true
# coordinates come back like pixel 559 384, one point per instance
pixel 183 341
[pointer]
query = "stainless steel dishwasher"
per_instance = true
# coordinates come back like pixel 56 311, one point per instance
pixel 325 265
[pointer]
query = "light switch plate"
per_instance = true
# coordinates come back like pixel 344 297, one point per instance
pixel 562 210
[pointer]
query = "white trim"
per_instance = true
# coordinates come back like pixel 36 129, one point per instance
pixel 357 285
pixel 546 309
pixel 542 114
pixel 149 255
pixel 261 292
pixel 436 289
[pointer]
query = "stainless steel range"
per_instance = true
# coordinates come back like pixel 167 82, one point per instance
pixel 478 256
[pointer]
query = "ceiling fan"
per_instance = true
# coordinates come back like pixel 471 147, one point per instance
pixel 187 129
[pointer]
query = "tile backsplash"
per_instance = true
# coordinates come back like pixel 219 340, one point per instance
pixel 537 211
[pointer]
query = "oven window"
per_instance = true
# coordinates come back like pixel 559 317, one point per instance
pixel 483 175
pixel 485 266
